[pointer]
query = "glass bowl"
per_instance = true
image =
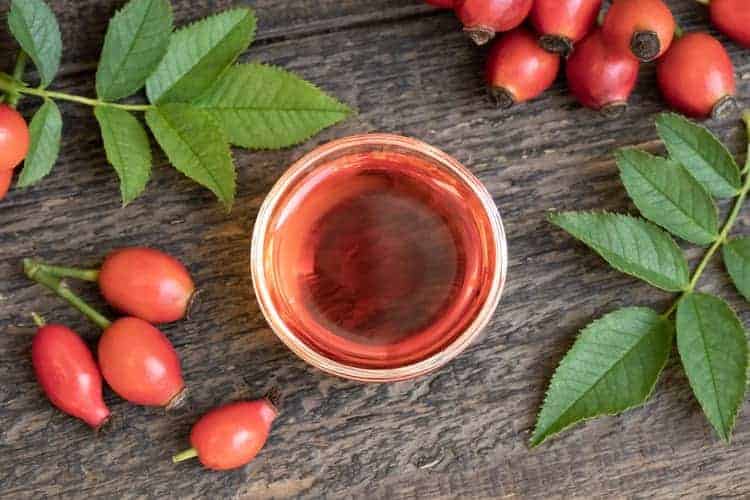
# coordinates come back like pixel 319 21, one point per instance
pixel 287 251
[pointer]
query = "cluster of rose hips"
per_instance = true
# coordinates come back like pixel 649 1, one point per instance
pixel 135 358
pixel 694 71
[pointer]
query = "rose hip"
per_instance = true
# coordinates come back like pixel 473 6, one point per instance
pixel 140 364
pixel 137 360
pixel 599 77
pixel 147 284
pixel 562 23
pixel 68 374
pixel 644 28
pixel 732 17
pixel 482 19
pixel 443 4
pixel 696 77
pixel 6 176
pixel 230 436
pixel 14 138
pixel 518 69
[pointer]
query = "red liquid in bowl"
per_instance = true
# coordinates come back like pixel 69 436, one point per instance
pixel 379 259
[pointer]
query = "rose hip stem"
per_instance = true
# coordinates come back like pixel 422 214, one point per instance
pixel 37 273
pixel 67 272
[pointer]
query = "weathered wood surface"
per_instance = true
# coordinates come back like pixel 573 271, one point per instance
pixel 459 433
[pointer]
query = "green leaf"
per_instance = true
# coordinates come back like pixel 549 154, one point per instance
pixel 630 245
pixel 35 27
pixel 128 149
pixel 613 366
pixel 713 348
pixel 136 40
pixel 667 194
pixel 198 54
pixel 263 107
pixel 736 253
pixel 45 131
pixel 196 145
pixel 702 154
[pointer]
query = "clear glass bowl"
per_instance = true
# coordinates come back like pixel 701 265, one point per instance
pixel 280 310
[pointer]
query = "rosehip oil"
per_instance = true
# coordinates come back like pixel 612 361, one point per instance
pixel 379 259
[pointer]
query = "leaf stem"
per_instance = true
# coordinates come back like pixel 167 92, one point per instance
pixel 13 95
pixel 54 283
pixel 12 85
pixel 731 218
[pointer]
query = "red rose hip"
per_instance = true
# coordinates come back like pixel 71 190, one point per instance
pixel 147 284
pixel 14 138
pixel 696 77
pixel 482 19
pixel 140 364
pixel 232 435
pixel 68 374
pixel 732 17
pixel 643 28
pixel 518 69
pixel 562 23
pixel 599 77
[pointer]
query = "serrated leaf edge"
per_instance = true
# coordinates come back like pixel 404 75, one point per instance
pixel 727 248
pixel 22 183
pixel 551 217
pixel 252 34
pixel 125 199
pixel 229 202
pixel 728 437
pixel 674 164
pixel 130 49
pixel 343 109
pixel 650 393
pixel 738 186
pixel 34 59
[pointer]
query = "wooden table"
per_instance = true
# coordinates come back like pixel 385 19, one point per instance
pixel 458 433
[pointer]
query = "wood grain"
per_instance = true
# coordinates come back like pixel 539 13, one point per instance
pixel 458 433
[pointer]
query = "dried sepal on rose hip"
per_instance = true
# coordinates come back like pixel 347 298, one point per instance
pixel 518 69
pixel 66 370
pixel 696 77
pixel 483 19
pixel 601 78
pixel 562 23
pixel 231 436
pixel 642 28
pixel 731 17
pixel 137 360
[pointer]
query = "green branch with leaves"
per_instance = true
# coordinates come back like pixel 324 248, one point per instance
pixel 616 361
pixel 200 101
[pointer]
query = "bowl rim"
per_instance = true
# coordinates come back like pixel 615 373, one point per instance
pixel 331 366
